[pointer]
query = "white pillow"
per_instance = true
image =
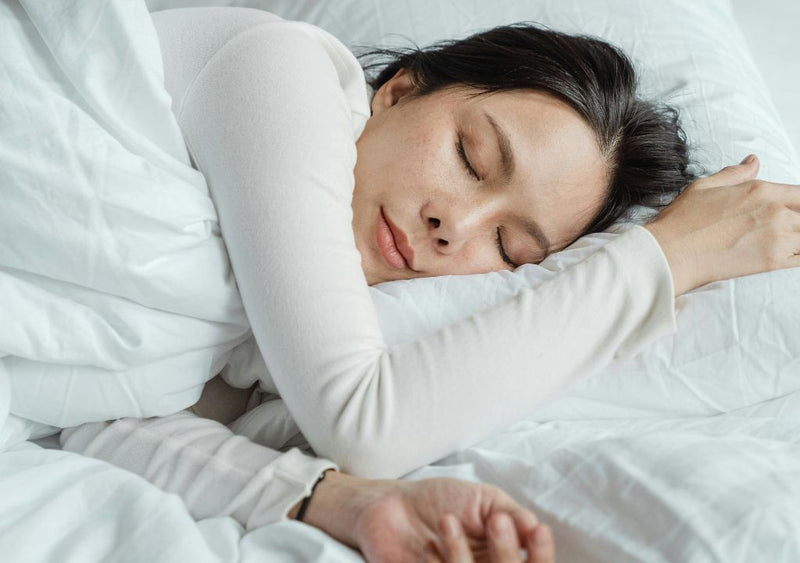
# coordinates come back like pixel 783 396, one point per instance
pixel 735 344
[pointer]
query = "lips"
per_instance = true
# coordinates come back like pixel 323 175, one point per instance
pixel 393 243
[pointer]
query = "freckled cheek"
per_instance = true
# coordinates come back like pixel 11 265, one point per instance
pixel 429 162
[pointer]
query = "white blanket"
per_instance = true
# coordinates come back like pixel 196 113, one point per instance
pixel 631 466
pixel 112 269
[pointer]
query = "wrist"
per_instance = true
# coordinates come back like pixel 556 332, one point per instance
pixel 298 511
pixel 681 258
pixel 336 505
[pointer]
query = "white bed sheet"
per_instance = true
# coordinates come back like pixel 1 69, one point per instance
pixel 666 488
pixel 712 489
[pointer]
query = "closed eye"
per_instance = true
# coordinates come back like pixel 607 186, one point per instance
pixel 463 155
pixel 502 250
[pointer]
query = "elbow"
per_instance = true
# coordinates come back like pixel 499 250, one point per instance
pixel 365 438
pixel 367 433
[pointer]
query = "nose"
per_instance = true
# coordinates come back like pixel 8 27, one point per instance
pixel 452 225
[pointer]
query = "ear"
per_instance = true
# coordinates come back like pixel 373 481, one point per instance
pixel 392 91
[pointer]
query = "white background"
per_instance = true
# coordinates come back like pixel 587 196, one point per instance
pixel 772 31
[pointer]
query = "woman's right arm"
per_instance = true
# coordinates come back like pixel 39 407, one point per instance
pixel 729 225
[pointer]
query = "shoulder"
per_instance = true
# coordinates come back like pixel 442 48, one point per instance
pixel 257 42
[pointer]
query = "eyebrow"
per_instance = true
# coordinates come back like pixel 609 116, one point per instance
pixel 506 152
pixel 537 234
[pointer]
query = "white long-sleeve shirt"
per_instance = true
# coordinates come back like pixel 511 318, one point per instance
pixel 270 111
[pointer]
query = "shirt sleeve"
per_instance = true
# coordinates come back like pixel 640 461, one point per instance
pixel 215 472
pixel 268 124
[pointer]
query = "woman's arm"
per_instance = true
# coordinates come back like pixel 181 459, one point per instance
pixel 217 473
pixel 269 126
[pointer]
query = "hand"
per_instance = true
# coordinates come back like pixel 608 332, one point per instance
pixel 409 520
pixel 729 225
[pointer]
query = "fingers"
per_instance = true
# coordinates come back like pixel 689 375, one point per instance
pixel 731 175
pixel 526 526
pixel 456 548
pixel 541 546
pixel 524 520
pixel 504 544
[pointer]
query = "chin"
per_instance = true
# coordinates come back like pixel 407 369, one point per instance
pixel 375 279
pixel 373 275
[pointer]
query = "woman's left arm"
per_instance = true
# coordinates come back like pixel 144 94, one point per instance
pixel 270 127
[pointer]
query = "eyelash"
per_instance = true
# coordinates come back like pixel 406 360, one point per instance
pixel 502 250
pixel 463 154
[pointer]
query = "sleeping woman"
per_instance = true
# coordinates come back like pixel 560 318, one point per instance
pixel 471 156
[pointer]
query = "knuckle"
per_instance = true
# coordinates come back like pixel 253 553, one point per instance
pixel 697 184
pixel 759 189
pixel 495 492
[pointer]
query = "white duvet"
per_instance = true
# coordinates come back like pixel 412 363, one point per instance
pixel 688 452
pixel 112 269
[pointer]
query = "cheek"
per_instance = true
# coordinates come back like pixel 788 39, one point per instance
pixel 487 260
pixel 376 174
pixel 479 257
pixel 432 169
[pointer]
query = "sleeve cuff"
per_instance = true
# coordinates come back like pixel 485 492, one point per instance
pixel 294 474
pixel 651 289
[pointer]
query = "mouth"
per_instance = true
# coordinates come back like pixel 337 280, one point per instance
pixel 393 243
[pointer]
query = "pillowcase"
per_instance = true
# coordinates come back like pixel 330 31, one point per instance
pixel 734 345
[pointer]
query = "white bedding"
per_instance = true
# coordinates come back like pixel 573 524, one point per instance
pixel 89 147
pixel 687 453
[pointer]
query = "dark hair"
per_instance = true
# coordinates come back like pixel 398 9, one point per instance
pixel 642 142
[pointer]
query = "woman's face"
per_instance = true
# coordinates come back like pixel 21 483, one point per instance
pixel 452 183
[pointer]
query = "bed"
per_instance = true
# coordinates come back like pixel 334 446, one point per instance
pixel 688 452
